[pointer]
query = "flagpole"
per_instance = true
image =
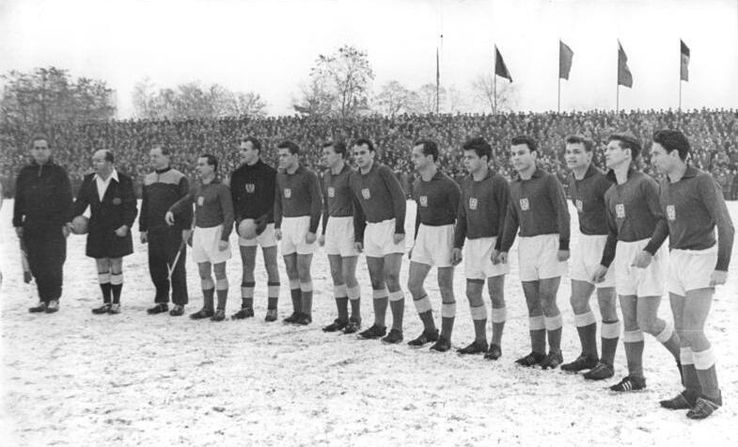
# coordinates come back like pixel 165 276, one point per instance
pixel 617 82
pixel 494 85
pixel 558 102
pixel 617 98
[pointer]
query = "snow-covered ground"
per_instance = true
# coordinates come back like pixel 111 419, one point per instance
pixel 77 379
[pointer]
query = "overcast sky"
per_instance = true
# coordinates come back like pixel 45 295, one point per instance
pixel 269 46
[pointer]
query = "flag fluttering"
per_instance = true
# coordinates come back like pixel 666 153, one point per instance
pixel 500 67
pixel 624 76
pixel 684 65
pixel 565 57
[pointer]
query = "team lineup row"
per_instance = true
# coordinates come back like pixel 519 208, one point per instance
pixel 624 218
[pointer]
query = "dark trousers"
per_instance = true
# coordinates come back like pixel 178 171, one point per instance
pixel 163 245
pixel 46 255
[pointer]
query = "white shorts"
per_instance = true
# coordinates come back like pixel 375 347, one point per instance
pixel 690 270
pixel 379 239
pixel 205 245
pixel 477 261
pixel 538 257
pixel 639 282
pixel 294 230
pixel 339 237
pixel 265 239
pixel 586 257
pixel 433 245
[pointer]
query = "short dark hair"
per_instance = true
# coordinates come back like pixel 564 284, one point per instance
pixel 672 140
pixel 581 139
pixel 109 155
pixel 212 160
pixel 339 147
pixel 480 146
pixel 254 142
pixel 292 146
pixel 363 141
pixel 164 150
pixel 528 141
pixel 430 147
pixel 40 136
pixel 627 141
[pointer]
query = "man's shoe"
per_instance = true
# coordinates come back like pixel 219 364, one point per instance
pixel 582 362
pixel 337 325
pixel 373 332
pixel 158 308
pixel 629 383
pixel 552 360
pixel 202 313
pixel 40 307
pixel 219 315
pixel 682 401
pixel 393 337
pixel 245 312
pixel 534 358
pixel 477 347
pixel 303 320
pixel 177 310
pixel 352 327
pixel 600 372
pixel 271 315
pixel 425 337
pixel 102 309
pixel 704 407
pixel 442 345
pixel 114 309
pixel 52 307
pixel 292 318
pixel 494 353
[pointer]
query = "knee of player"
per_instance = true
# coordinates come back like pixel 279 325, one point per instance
pixel 649 324
pixel 578 304
pixel 304 275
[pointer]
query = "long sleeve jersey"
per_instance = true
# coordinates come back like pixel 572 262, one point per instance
pixel 588 197
pixel 43 196
pixel 482 209
pixel 338 201
pixel 161 190
pixel 633 214
pixel 252 191
pixel 298 194
pixel 380 197
pixel 694 206
pixel 437 200
pixel 537 206
pixel 213 206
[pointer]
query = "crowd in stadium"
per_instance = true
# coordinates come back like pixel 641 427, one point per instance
pixel 713 133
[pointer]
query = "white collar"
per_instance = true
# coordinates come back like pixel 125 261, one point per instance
pixel 113 175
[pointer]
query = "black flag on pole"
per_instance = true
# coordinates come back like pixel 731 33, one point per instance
pixel 565 57
pixel 684 66
pixel 500 67
pixel 624 76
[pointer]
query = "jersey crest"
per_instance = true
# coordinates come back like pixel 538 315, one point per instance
pixel 670 212
pixel 200 201
pixel 423 201
pixel 579 205
pixel 331 191
pixel 524 204
pixel 620 211
pixel 366 194
pixel 287 193
pixel 473 203
pixel 250 188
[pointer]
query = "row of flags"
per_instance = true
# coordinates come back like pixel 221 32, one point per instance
pixel 566 56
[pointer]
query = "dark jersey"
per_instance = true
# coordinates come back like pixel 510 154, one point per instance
pixel 338 201
pixel 482 208
pixel 43 196
pixel 213 206
pixel 437 200
pixel 588 196
pixel 252 191
pixel 380 197
pixel 161 189
pixel 298 194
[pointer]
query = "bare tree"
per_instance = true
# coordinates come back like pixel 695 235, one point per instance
pixel 426 95
pixel 484 93
pixel 394 98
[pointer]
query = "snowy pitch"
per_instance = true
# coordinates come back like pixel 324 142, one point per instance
pixel 77 379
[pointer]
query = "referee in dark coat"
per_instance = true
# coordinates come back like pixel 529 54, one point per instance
pixel 162 189
pixel 42 199
pixel 112 203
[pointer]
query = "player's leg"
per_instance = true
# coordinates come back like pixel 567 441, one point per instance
pixel 496 289
pixel 340 294
pixel 547 291
pixel 103 278
pixel 269 253
pixel 609 334
pixel 221 289
pixel 290 265
pixel 392 264
pixel 304 262
pixel 375 265
pixel 348 268
pixel 649 322
pixel 586 323
pixel 416 277
pixel 158 257
pixel 536 325
pixel 56 253
pixel 178 282
pixel 692 389
pixel 208 292
pixel 116 283
pixel 478 310
pixel 633 344
pixel 248 284
pixel 448 308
